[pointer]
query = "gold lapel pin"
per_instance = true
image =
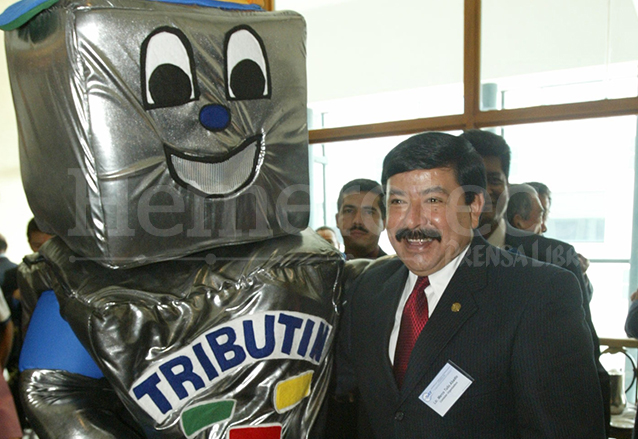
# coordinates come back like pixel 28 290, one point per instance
pixel 456 307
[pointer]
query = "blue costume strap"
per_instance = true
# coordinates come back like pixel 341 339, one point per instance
pixel 216 4
pixel 19 13
pixel 51 344
pixel 24 10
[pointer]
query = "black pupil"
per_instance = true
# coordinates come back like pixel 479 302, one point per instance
pixel 247 80
pixel 169 86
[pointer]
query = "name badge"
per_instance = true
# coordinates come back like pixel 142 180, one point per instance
pixel 446 388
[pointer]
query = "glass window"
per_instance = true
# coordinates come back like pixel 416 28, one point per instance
pixel 609 303
pixel 375 61
pixel 554 52
pixel 587 164
pixel 370 63
pixel 589 167
pixel 317 177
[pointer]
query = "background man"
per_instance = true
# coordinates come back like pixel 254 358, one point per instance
pixel 524 209
pixel 329 235
pixel 493 225
pixel 496 155
pixel 5 263
pixel 545 197
pixel 361 218
pixel 36 239
pixel 445 340
pixel 9 424
pixel 36 236
pixel 496 158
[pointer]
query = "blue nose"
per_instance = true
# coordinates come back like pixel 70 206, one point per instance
pixel 214 117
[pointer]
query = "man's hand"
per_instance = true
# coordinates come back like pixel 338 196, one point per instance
pixel 584 262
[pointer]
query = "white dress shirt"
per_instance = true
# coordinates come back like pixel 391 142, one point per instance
pixel 438 283
pixel 5 313
pixel 497 238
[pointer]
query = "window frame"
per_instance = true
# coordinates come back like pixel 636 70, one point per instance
pixel 474 117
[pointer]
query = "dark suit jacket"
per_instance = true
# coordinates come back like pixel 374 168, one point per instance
pixel 551 251
pixel 5 265
pixel 565 256
pixel 520 334
pixel 631 323
pixel 558 253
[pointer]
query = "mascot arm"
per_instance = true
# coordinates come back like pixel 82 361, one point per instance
pixel 64 392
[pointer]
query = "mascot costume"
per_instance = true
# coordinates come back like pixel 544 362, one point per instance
pixel 165 144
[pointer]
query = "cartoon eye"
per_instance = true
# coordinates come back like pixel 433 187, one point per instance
pixel 247 73
pixel 168 69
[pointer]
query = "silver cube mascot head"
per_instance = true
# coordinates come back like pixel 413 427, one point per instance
pixel 151 130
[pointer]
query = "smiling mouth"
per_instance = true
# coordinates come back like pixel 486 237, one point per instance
pixel 420 241
pixel 417 236
pixel 217 175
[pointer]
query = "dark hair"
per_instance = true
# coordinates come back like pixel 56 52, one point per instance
pixel 363 185
pixel 541 189
pixel 438 150
pixel 3 244
pixel 519 203
pixel 488 144
pixel 318 229
pixel 32 227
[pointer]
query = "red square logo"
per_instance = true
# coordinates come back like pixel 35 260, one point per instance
pixel 261 432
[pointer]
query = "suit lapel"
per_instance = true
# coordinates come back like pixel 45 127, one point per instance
pixel 447 318
pixel 391 289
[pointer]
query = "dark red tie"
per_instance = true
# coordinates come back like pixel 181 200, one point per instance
pixel 415 316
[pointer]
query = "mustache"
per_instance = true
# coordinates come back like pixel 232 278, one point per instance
pixel 358 227
pixel 417 234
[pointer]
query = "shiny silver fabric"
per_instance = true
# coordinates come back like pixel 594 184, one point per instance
pixel 166 147
pixel 251 326
pixel 129 169
pixel 70 406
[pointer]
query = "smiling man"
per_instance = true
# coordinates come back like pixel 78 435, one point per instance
pixel 361 218
pixel 451 338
